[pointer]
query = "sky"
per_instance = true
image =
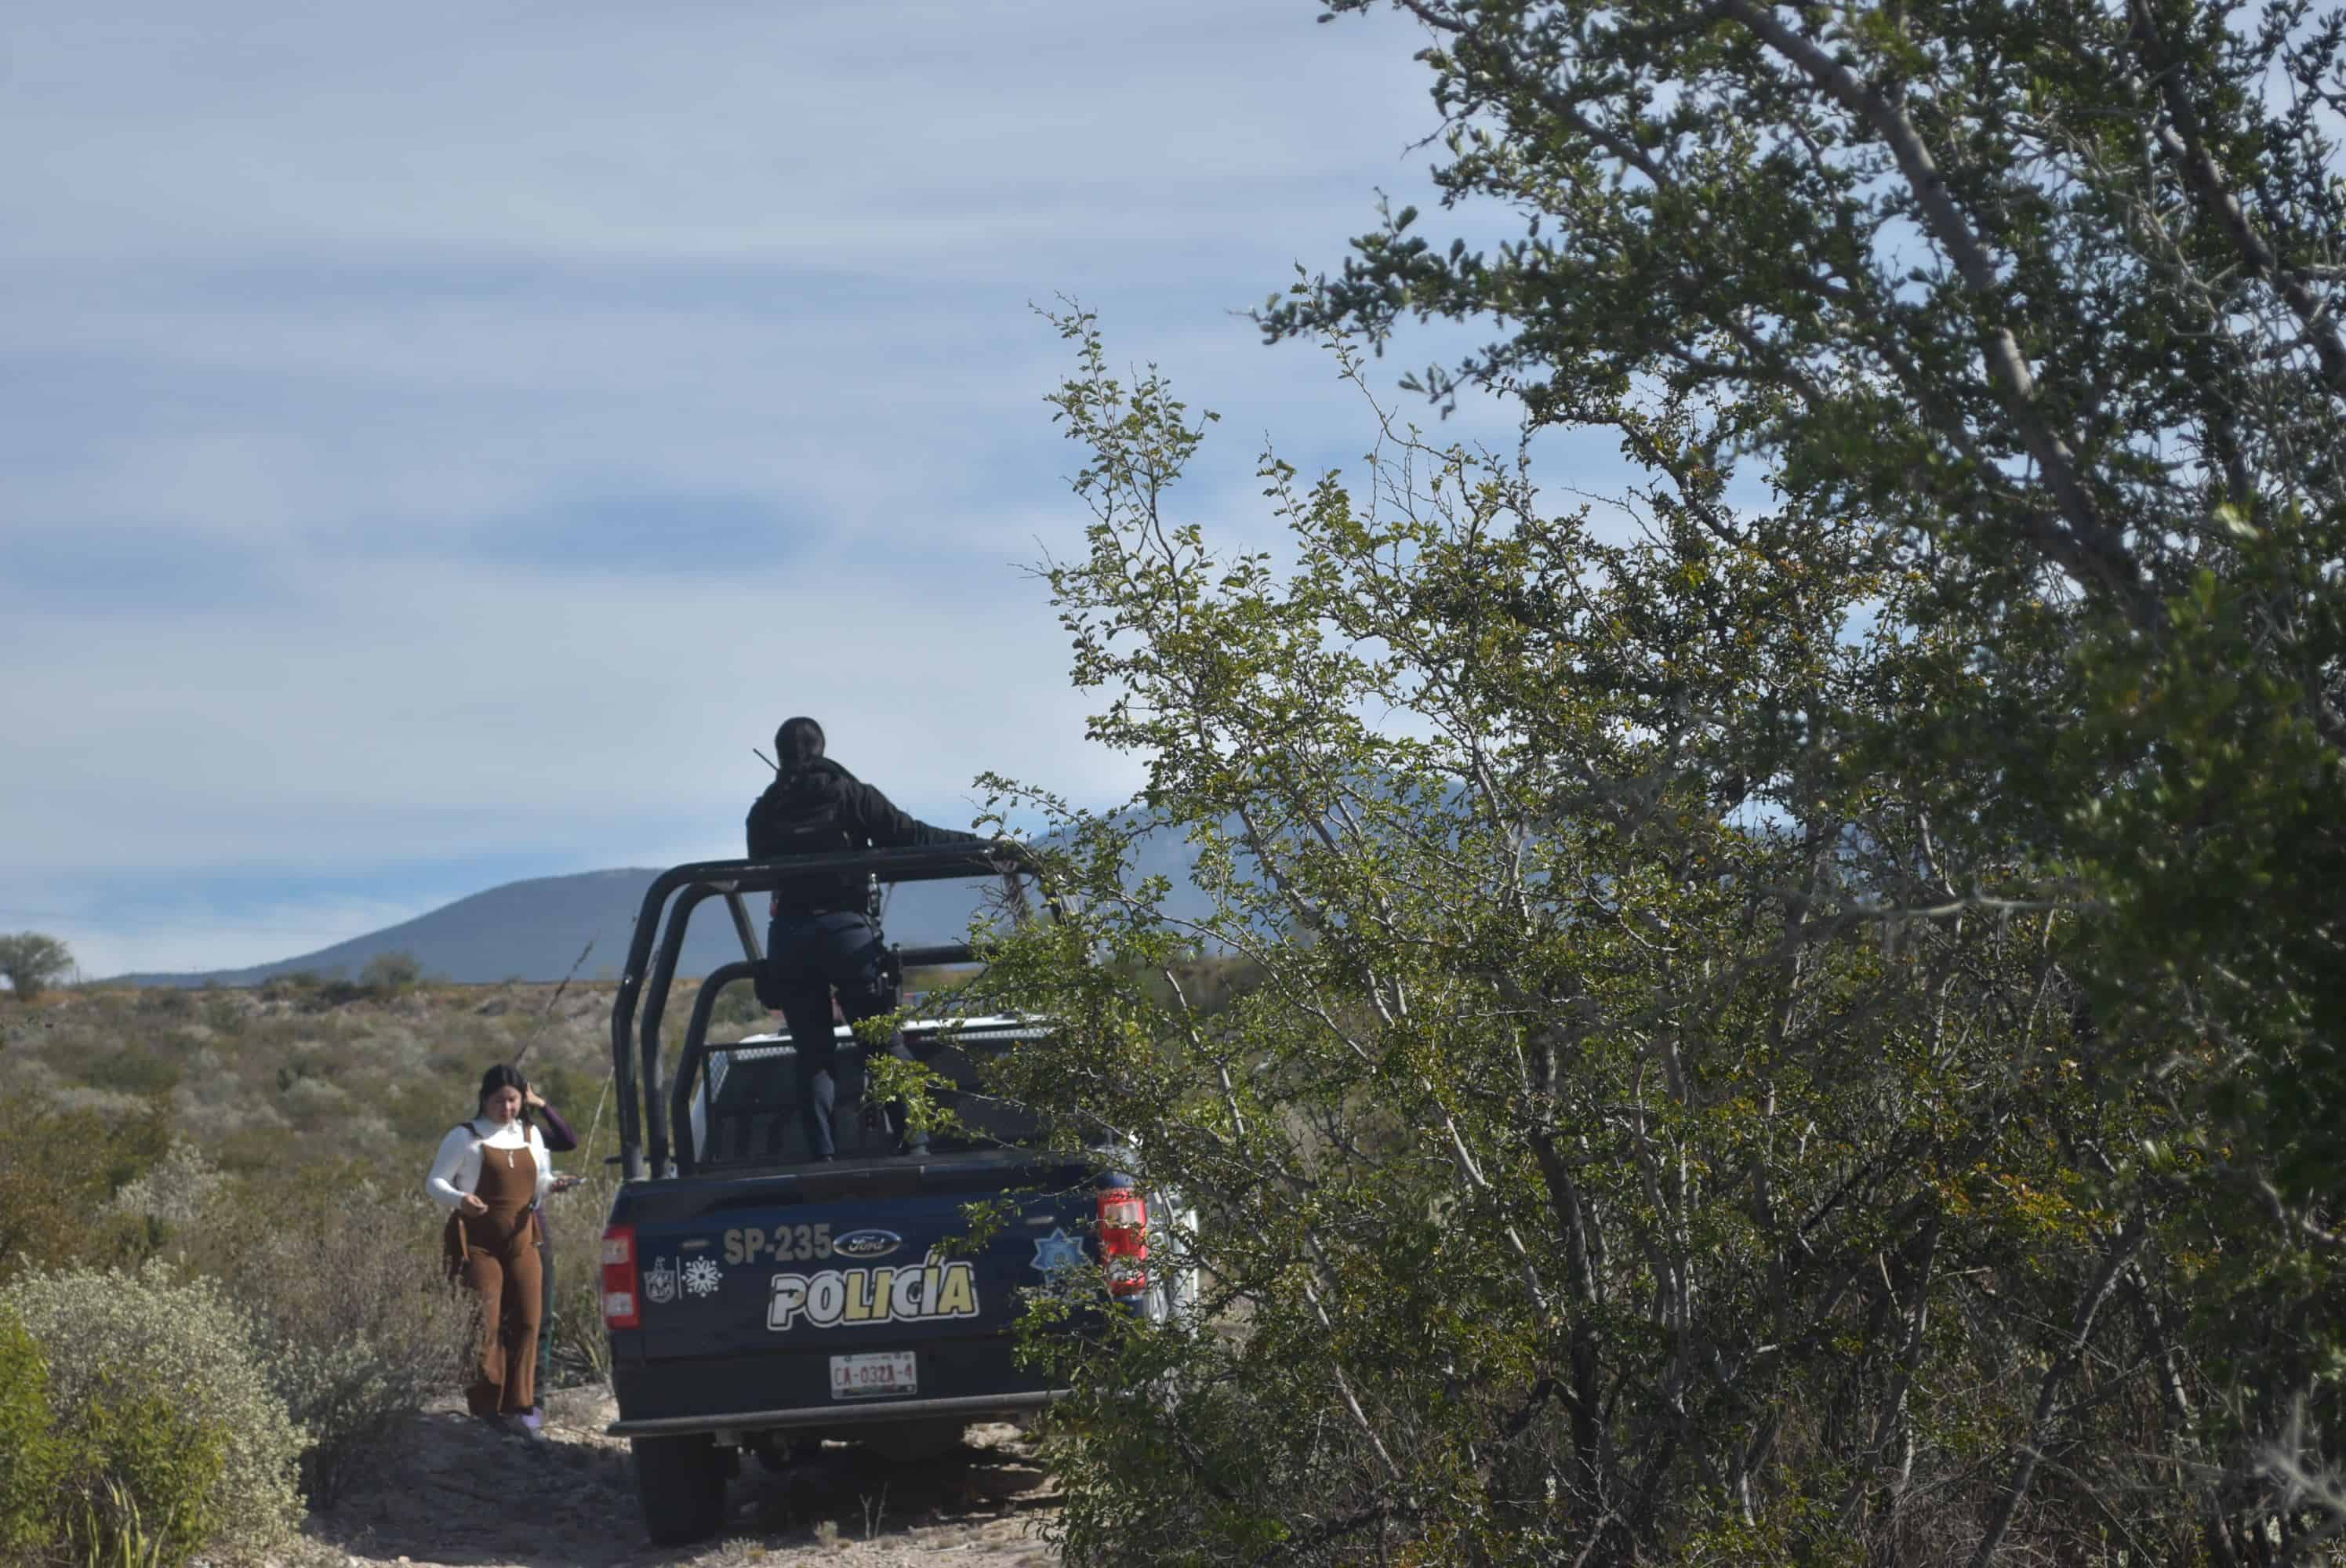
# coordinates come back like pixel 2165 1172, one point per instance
pixel 441 441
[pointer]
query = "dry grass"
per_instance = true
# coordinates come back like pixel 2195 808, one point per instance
pixel 283 1077
pixel 278 1139
pixel 310 1122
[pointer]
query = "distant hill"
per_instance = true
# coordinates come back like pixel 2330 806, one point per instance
pixel 533 930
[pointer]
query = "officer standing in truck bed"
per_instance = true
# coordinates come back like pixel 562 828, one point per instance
pixel 823 936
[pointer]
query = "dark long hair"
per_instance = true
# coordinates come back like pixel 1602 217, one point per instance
pixel 504 1076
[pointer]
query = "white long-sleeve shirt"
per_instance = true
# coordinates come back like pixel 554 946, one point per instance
pixel 456 1171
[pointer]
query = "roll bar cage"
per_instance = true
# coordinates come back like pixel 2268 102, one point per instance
pixel 636 1047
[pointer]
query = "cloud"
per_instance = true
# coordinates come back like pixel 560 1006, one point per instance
pixel 928 135
pixel 467 709
pixel 442 440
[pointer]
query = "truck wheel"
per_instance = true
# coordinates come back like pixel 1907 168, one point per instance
pixel 680 1485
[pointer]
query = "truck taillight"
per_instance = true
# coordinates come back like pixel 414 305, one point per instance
pixel 620 1277
pixel 1124 1240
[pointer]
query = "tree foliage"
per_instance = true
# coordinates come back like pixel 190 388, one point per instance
pixel 32 962
pixel 2048 293
pixel 1671 1119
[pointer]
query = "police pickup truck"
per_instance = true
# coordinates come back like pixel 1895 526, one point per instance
pixel 757 1300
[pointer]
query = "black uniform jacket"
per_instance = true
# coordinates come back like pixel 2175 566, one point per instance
pixel 825 801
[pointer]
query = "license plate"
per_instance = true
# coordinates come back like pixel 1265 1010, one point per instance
pixel 882 1372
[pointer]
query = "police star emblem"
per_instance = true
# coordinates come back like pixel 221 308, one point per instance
pixel 1056 1253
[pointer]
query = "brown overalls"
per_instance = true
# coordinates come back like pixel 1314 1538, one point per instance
pixel 497 1255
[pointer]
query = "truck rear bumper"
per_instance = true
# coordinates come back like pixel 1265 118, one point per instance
pixel 970 1407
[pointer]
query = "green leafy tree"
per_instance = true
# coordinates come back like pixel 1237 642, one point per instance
pixel 1655 1129
pixel 31 962
pixel 2050 294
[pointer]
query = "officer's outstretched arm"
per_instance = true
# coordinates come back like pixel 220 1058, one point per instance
pixel 887 826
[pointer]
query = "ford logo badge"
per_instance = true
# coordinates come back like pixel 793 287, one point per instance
pixel 867 1243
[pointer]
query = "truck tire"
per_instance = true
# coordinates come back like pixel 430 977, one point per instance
pixel 681 1486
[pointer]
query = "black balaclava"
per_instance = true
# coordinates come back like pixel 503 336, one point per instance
pixel 796 744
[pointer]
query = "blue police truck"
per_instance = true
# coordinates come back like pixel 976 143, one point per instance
pixel 758 1299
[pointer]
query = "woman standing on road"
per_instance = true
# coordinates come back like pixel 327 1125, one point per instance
pixel 490 1173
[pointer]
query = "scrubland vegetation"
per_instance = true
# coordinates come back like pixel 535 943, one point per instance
pixel 1793 1015
pixel 219 1285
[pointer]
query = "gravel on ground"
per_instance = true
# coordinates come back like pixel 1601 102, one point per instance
pixel 457 1493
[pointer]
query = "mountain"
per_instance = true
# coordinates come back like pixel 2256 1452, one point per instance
pixel 533 930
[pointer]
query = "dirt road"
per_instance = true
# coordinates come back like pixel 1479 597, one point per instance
pixel 455 1494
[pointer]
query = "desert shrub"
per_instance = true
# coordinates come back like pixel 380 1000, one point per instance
pixel 142 1065
pixel 209 1078
pixel 358 1325
pixel 351 1396
pixel 293 986
pixel 117 1338
pixel 30 1458
pixel 141 1480
pixel 362 1131
pixel 314 1103
pixel 307 1059
pixel 423 1108
pixel 580 1341
pixel 254 1142
pixel 111 1106
pixel 129 1479
pixel 58 1169
pixel 171 1001
pixel 175 1192
pixel 390 974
